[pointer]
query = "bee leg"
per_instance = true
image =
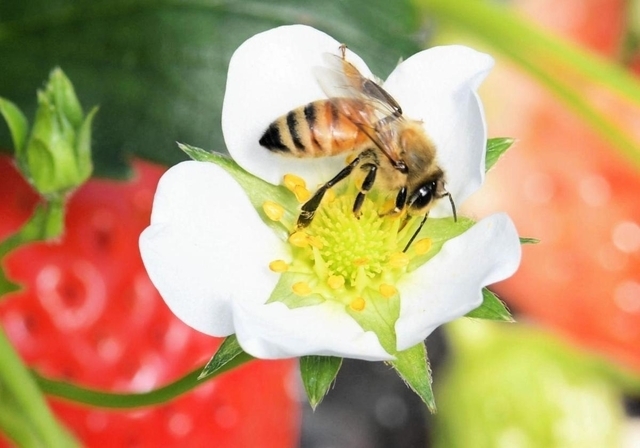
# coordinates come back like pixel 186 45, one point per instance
pixel 309 208
pixel 415 234
pixel 367 184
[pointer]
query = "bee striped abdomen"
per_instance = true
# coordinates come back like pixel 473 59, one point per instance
pixel 315 130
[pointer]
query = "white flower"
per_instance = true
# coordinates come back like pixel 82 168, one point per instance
pixel 208 250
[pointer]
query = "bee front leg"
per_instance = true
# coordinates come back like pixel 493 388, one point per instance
pixel 309 208
pixel 367 184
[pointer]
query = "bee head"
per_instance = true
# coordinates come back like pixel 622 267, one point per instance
pixel 423 198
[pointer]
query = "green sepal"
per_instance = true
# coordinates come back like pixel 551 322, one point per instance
pixel 492 308
pixel 379 316
pixel 413 367
pixel 527 240
pixel 318 374
pixel 283 292
pixel 17 123
pixel 257 189
pixel 439 231
pixel 83 146
pixel 229 355
pixel 496 147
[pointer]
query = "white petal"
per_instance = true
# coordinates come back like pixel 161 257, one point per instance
pixel 269 75
pixel 450 284
pixel 206 246
pixel 438 86
pixel 274 331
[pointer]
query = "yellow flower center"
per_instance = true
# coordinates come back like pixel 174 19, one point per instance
pixel 344 257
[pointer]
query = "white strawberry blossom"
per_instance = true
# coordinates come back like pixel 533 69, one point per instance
pixel 208 251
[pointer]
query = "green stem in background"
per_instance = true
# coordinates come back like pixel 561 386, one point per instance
pixel 18 386
pixel 555 62
pixel 92 397
pixel 46 223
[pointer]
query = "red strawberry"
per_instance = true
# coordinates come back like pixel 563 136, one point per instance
pixel 569 188
pixel 90 315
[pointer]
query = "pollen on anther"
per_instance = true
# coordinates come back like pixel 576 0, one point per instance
pixel 362 261
pixel 399 260
pixel 301 193
pixel 335 281
pixel 273 210
pixel 422 246
pixel 315 242
pixel 299 239
pixel 301 288
pixel 357 304
pixel 387 290
pixel 329 196
pixel 291 181
pixel 278 266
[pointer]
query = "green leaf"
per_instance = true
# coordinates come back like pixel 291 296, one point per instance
pixel 158 69
pixel 229 354
pixel 492 308
pixel 496 147
pixel 318 374
pixel 257 189
pixel 527 240
pixel 17 123
pixel 413 367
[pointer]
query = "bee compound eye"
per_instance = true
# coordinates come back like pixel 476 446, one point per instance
pixel 422 197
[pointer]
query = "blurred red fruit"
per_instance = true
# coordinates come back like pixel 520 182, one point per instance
pixel 90 315
pixel 570 189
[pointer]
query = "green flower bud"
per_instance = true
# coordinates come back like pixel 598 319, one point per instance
pixel 57 156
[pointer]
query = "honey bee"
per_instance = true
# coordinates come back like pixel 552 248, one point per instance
pixel 393 152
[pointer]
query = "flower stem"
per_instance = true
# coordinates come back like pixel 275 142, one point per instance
pixel 101 399
pixel 31 418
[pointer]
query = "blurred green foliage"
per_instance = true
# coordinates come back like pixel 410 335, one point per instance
pixel 157 69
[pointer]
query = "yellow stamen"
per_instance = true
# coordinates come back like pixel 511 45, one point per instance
pixel 388 206
pixel 361 261
pixel 273 210
pixel 301 288
pixel 278 266
pixel 399 260
pixel 422 246
pixel 335 281
pixel 357 304
pixel 329 196
pixel 299 239
pixel 387 290
pixel 302 194
pixel 315 242
pixel 291 181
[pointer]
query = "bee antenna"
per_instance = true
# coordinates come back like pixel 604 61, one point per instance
pixel 453 207
pixel 415 234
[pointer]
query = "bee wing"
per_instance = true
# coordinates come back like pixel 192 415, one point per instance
pixel 372 108
pixel 340 78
